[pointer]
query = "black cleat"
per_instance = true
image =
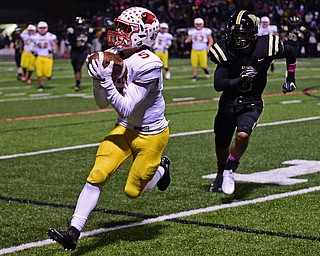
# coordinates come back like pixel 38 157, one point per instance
pixel 217 183
pixel 68 239
pixel 164 182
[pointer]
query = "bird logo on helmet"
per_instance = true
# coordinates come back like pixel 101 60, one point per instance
pixel 135 26
pixel 242 30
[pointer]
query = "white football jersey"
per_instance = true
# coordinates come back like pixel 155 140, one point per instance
pixel 269 30
pixel 27 39
pixel 43 44
pixel 141 105
pixel 163 42
pixel 199 38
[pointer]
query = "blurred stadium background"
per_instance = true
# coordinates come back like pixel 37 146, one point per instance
pixel 99 14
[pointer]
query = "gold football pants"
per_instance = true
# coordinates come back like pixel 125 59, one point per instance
pixel 119 145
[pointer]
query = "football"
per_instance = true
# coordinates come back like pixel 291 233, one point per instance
pixel 118 66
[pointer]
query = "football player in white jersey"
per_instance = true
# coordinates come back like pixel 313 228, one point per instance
pixel 27 58
pixel 161 46
pixel 202 40
pixel 141 131
pixel 265 28
pixel 44 44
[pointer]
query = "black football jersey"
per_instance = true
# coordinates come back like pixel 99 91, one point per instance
pixel 79 40
pixel 268 48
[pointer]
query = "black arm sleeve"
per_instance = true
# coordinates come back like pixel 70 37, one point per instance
pixel 221 80
pixel 288 53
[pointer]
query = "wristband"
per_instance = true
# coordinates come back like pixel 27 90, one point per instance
pixel 292 67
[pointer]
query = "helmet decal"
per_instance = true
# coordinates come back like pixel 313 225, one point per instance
pixel 239 17
pixel 147 18
pixel 254 19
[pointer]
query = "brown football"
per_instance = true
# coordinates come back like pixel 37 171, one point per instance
pixel 118 66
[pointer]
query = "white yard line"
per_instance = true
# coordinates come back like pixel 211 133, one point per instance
pixel 166 217
pixel 171 135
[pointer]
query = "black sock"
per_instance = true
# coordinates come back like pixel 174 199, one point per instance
pixel 220 167
pixel 231 165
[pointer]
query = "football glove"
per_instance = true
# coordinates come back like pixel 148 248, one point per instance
pixel 290 84
pixel 97 71
pixel 248 73
pixel 34 54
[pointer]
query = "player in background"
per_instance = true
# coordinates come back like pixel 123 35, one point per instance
pixel 44 44
pixel 80 40
pixel 16 46
pixel 161 46
pixel 243 60
pixel 28 58
pixel 292 35
pixel 265 28
pixel 141 132
pixel 201 38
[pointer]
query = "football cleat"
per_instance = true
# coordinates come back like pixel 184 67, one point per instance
pixel 165 180
pixel 216 185
pixel 228 184
pixel 41 88
pixel 68 239
pixel 77 88
pixel 168 75
pixel 194 79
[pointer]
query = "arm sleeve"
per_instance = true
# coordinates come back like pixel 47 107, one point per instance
pixel 288 53
pixel 125 105
pixel 221 80
pixel 100 94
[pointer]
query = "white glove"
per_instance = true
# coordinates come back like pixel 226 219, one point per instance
pixel 97 71
pixel 248 73
pixel 290 84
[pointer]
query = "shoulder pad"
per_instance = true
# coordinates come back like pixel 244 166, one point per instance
pixel 268 46
pixel 218 52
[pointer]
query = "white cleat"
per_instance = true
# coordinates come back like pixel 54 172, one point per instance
pixel 228 184
pixel 168 75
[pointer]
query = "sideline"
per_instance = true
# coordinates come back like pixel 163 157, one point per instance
pixel 171 136
pixel 165 218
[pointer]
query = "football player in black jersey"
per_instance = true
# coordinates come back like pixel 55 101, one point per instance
pixel 16 47
pixel 80 39
pixel 293 35
pixel 242 60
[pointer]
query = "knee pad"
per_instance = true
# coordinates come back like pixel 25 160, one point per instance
pixel 132 192
pixel 244 128
pixel 97 177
